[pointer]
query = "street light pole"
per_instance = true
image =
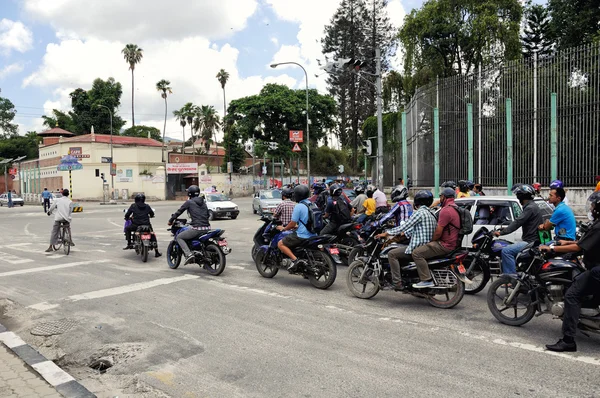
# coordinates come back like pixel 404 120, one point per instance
pixel 307 118
pixel 112 160
pixel 379 123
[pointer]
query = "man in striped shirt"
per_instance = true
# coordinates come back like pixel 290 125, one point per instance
pixel 419 228
pixel 284 210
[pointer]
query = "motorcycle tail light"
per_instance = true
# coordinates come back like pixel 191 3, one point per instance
pixel 475 245
pixel 546 266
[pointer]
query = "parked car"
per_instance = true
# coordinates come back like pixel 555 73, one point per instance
pixel 266 201
pixel 490 211
pixel 219 206
pixel 16 199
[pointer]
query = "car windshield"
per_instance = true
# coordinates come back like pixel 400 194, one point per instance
pixel 216 197
pixel 274 194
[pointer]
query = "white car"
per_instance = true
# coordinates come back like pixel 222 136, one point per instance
pixel 266 201
pixel 16 199
pixel 491 211
pixel 219 205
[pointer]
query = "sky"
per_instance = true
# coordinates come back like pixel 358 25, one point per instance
pixel 48 48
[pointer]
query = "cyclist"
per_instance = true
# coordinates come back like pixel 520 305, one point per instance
pixel 63 207
pixel 141 213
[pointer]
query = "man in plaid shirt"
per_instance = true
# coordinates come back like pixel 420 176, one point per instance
pixel 284 210
pixel 419 228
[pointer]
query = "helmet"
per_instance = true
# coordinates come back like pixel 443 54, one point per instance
pixel 556 184
pixel 287 193
pixel 301 192
pixel 318 188
pixel 524 192
pixel 399 193
pixel 359 189
pixel 593 205
pixel 537 186
pixel 423 198
pixel 470 184
pixel 193 191
pixel 448 192
pixel 140 198
pixel 335 189
pixel 449 184
pixel 463 185
pixel 371 188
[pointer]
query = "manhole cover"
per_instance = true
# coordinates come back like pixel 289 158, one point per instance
pixel 54 327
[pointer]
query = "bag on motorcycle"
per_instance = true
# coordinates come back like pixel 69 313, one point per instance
pixel 315 218
pixel 341 212
pixel 127 224
pixel 466 222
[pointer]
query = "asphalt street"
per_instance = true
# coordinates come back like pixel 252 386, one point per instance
pixel 184 333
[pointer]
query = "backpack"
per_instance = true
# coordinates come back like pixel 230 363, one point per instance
pixel 466 221
pixel 341 211
pixel 315 218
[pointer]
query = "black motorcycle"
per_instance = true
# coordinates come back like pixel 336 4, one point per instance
pixel 319 255
pixel 368 274
pixel 346 239
pixel 540 287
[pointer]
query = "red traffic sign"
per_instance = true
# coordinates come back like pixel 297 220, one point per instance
pixel 296 148
pixel 12 171
pixel 296 136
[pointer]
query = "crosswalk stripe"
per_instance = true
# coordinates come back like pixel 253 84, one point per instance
pixel 8 258
pixel 49 268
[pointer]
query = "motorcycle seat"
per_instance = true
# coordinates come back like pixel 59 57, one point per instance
pixel 345 227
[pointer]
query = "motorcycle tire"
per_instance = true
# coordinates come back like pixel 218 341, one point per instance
pixel 266 271
pixel 216 266
pixel 350 242
pixel 459 292
pixel 254 251
pixel 173 255
pixel 355 253
pixel 144 252
pixel 328 271
pixel 479 275
pixel 365 290
pixel 499 290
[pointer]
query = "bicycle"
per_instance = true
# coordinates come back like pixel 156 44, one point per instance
pixel 64 237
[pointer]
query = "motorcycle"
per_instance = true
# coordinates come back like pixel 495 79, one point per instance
pixel 346 239
pixel 144 240
pixel 368 274
pixel 318 253
pixel 540 287
pixel 209 250
pixel 361 234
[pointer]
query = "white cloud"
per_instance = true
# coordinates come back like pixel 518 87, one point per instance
pixel 14 36
pixel 275 41
pixel 286 54
pixel 133 21
pixel 10 69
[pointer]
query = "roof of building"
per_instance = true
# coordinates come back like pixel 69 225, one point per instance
pixel 116 140
pixel 56 131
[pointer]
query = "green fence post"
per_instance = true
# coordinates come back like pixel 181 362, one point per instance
pixel 404 150
pixel 509 146
pixel 553 138
pixel 436 151
pixel 470 138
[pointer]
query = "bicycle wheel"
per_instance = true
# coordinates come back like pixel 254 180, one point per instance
pixel 66 238
pixel 59 244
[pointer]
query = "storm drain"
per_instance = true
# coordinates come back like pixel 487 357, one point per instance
pixel 53 327
pixel 102 364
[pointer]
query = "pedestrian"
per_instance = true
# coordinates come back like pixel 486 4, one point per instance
pixel 10 201
pixel 46 199
pixel 478 190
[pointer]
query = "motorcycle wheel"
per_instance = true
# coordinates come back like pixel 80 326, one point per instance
pixel 355 253
pixel 173 255
pixel 144 250
pixel 254 251
pixel 443 298
pixel 479 275
pixel 266 271
pixel 217 260
pixel 521 308
pixel 362 289
pixel 326 269
pixel 350 242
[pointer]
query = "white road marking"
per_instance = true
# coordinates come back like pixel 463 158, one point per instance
pixel 235 267
pixel 50 267
pixel 531 347
pixel 115 291
pixel 52 373
pixel 8 258
pixel 26 229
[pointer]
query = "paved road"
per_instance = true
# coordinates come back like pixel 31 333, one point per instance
pixel 183 333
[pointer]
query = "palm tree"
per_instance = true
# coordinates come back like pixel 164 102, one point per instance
pixel 181 115
pixel 222 77
pixel 164 87
pixel 133 55
pixel 188 114
pixel 209 124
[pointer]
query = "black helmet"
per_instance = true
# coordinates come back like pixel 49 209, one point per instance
pixel 593 205
pixel 399 193
pixel 335 189
pixel 318 188
pixel 423 198
pixel 140 198
pixel 463 185
pixel 470 184
pixel 524 192
pixel 448 192
pixel 287 192
pixel 449 184
pixel 193 191
pixel 301 192
pixel 359 189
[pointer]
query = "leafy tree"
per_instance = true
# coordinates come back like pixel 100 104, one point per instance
pixel 536 35
pixel 574 22
pixel 235 150
pixel 223 77
pixel 133 56
pixel 59 119
pixel 142 132
pixel 164 88
pixel 181 116
pixel 326 161
pixel 18 145
pixel 7 114
pixel 393 91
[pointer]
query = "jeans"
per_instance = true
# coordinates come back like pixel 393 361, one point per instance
pixel 188 234
pixel 394 257
pixel 586 284
pixel 509 254
pixel 46 205
pixel 422 253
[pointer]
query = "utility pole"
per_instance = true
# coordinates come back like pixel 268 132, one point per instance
pixel 379 123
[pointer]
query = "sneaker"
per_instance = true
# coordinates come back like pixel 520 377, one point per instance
pixel 157 254
pixel 189 259
pixel 295 264
pixel 49 250
pixel 562 346
pixel 392 286
pixel 71 243
pixel 128 247
pixel 423 285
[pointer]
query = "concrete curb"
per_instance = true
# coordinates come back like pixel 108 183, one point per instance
pixel 64 383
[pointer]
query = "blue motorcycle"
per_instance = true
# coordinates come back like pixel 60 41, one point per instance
pixel 318 253
pixel 209 249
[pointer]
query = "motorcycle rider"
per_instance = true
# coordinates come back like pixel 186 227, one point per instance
pixel 445 184
pixel 463 189
pixel 284 210
pixel 405 210
pixel 587 283
pixel 300 218
pixel 381 205
pixel 63 214
pixel 537 187
pixel 419 229
pixel 357 203
pixel 199 225
pixel 559 184
pixel 445 238
pixel 141 213
pixel 478 190
pixel 563 219
pixel 337 210
pixel 529 220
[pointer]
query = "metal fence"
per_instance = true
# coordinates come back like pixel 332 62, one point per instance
pixel 574 156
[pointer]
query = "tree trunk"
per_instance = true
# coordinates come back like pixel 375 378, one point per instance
pixel 165 128
pixel 132 107
pixel 183 141
pixel 223 125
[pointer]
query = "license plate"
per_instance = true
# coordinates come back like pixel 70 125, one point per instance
pixel 334 250
pixel 145 237
pixel 461 269
pixel 227 214
pixel 222 243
